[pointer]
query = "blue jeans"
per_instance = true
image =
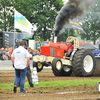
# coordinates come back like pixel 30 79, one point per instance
pixel 20 76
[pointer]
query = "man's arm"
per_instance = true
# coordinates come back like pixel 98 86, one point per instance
pixel 12 58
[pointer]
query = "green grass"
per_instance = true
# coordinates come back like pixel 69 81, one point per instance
pixel 60 83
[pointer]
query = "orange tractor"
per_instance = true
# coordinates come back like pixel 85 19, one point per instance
pixel 81 61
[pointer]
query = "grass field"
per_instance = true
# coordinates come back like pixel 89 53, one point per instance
pixel 59 83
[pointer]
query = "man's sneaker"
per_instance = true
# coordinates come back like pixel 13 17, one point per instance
pixel 15 88
pixel 23 91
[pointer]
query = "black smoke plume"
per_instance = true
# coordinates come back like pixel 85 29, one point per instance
pixel 70 10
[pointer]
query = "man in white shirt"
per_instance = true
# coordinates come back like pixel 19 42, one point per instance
pixel 20 59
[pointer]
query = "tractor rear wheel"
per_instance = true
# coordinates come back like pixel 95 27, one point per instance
pixel 83 63
pixel 38 65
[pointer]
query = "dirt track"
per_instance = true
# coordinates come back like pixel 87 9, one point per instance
pixel 63 93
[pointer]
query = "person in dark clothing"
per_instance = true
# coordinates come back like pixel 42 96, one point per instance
pixel 29 76
pixel 29 72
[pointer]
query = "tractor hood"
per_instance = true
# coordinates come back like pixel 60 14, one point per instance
pixel 88 46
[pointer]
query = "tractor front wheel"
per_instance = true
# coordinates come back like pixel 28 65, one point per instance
pixel 57 66
pixel 38 65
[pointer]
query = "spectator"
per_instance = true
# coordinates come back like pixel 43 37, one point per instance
pixel 29 72
pixel 9 54
pixel 20 59
pixel 6 54
pixel 2 54
pixel 36 52
pixel 12 50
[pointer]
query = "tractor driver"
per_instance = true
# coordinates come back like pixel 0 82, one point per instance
pixel 70 48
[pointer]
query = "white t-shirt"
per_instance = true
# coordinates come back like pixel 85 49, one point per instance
pixel 20 57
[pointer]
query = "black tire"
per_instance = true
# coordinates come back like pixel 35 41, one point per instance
pixel 38 65
pixel 57 66
pixel 83 63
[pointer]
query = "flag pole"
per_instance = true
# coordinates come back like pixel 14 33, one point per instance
pixel 14 28
pixel 14 37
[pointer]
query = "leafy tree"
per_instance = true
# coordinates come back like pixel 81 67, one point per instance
pixel 40 12
pixel 39 39
pixel 44 16
pixel 25 7
pixel 64 35
pixel 6 14
pixel 91 23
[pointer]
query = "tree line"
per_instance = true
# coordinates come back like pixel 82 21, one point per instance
pixel 42 14
pixel 90 22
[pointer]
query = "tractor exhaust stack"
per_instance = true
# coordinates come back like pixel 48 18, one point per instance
pixel 55 39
